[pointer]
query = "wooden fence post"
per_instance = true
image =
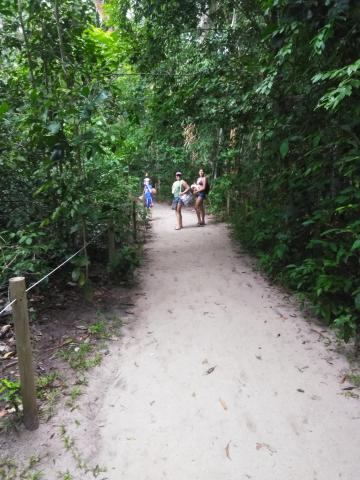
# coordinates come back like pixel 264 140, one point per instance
pixel 24 352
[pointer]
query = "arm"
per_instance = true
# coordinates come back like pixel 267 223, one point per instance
pixel 187 188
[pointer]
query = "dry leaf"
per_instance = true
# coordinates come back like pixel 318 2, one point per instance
pixel 223 404
pixel 227 450
pixel 205 361
pixel 8 355
pixel 210 370
pixel 265 445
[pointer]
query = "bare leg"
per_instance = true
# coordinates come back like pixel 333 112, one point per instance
pixel 198 209
pixel 178 217
pixel 202 212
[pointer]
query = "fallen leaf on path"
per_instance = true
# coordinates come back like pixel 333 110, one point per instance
pixel 227 450
pixel 279 313
pixel 315 397
pixel 8 355
pixel 211 369
pixel 343 379
pixel 301 390
pixel 223 404
pixel 348 388
pixel 301 370
pixel 4 330
pixel 205 361
pixel 258 357
pixel 319 333
pixel 267 446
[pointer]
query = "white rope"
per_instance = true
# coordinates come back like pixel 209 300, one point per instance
pixel 50 273
pixel 57 268
pixel 8 307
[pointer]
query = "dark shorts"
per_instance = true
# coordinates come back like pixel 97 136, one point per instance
pixel 202 195
pixel 176 201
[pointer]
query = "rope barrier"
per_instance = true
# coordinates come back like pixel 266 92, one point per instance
pixel 57 268
pixel 52 271
pixel 7 307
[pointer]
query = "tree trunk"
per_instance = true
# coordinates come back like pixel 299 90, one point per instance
pixel 27 46
pixel 60 38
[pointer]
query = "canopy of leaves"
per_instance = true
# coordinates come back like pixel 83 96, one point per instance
pixel 265 95
pixel 68 131
pixel 262 93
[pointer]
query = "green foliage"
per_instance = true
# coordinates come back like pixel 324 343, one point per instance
pixel 218 195
pixel 265 96
pixel 124 262
pixel 66 127
pixel 79 357
pixel 10 392
pixel 65 476
pixel 98 329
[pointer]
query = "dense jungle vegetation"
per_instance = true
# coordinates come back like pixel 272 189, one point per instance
pixel 263 93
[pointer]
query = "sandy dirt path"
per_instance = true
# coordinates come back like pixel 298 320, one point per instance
pixel 220 375
pixel 217 376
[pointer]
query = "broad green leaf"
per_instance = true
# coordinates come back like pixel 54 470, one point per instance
pixel 4 107
pixel 357 301
pixel 54 127
pixel 284 148
pixel 356 245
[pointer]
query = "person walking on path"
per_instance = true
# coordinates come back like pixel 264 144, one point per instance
pixel 179 187
pixel 202 184
pixel 147 193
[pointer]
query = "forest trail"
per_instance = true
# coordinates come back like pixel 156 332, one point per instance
pixel 217 375
pixel 220 376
